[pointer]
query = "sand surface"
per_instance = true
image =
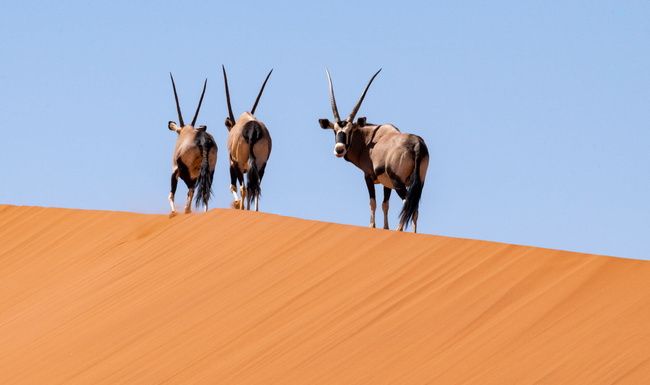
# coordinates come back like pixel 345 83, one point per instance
pixel 230 297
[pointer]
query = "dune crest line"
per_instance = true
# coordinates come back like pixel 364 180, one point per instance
pixel 112 297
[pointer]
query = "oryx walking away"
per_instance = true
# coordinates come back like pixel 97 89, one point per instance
pixel 195 156
pixel 385 155
pixel 249 146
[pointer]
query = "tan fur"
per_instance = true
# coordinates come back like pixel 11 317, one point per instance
pixel 238 148
pixel 374 148
pixel 192 157
pixel 380 151
pixel 383 153
pixel 384 207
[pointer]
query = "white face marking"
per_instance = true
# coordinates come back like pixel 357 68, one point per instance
pixel 342 137
pixel 339 150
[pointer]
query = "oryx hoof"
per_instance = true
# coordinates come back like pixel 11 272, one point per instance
pixel 236 204
pixel 188 211
pixel 372 225
pixel 173 214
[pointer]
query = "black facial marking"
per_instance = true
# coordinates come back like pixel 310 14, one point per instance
pixel 341 137
pixel 342 124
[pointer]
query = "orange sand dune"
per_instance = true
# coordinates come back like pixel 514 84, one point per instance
pixel 230 297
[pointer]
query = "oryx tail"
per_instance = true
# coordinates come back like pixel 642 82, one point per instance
pixel 204 180
pixel 252 133
pixel 414 192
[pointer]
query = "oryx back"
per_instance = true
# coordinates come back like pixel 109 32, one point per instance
pixel 394 156
pixel 249 133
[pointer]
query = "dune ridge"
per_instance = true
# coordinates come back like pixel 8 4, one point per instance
pixel 241 297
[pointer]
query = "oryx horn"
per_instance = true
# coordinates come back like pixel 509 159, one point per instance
pixel 260 95
pixel 200 101
pixel 178 107
pixel 356 108
pixel 225 78
pixel 334 109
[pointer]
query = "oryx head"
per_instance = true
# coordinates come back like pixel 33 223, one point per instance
pixel 230 120
pixel 172 125
pixel 343 128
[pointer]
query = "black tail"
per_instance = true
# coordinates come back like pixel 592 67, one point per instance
pixel 203 186
pixel 416 184
pixel 252 132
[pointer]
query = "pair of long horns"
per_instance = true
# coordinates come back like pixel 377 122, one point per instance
pixel 178 107
pixel 225 78
pixel 356 108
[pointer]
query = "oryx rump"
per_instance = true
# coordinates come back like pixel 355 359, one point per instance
pixel 195 156
pixel 249 146
pixel 398 161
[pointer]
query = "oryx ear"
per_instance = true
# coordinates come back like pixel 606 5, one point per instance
pixel 202 128
pixel 325 123
pixel 361 122
pixel 172 126
pixel 229 124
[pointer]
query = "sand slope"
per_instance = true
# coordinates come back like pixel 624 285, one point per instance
pixel 230 297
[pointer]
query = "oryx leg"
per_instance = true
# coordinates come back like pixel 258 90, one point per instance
pixel 248 198
pixel 415 221
pixel 400 189
pixel 373 203
pixel 242 192
pixel 384 205
pixel 171 194
pixel 233 182
pixel 184 174
pixel 261 175
pixel 236 175
pixel 190 195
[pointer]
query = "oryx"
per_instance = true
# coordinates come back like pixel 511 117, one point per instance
pixel 249 146
pixel 385 155
pixel 195 156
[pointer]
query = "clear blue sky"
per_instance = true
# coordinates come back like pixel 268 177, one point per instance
pixel 536 114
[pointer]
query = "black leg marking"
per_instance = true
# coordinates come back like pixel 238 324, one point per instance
pixel 174 181
pixel 371 186
pixel 387 191
pixel 400 188
pixel 373 203
pixel 233 176
pixel 236 174
pixel 184 173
